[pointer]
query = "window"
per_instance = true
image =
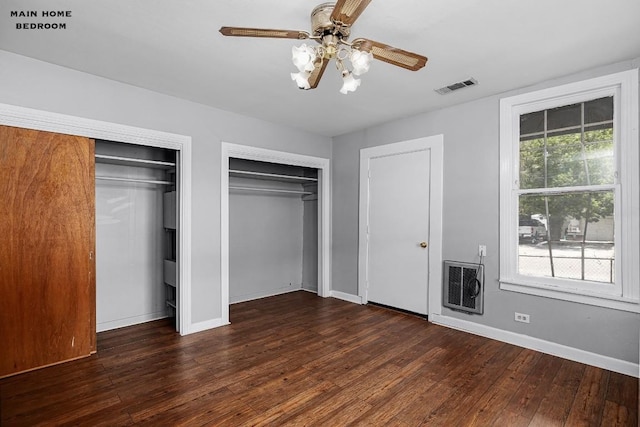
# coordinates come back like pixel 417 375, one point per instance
pixel 569 226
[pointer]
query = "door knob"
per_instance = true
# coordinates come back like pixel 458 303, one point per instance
pixel 423 245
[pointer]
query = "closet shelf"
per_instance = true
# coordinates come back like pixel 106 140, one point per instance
pixel 271 176
pixel 142 181
pixel 270 190
pixel 129 161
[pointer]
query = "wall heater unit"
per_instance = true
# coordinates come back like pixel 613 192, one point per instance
pixel 463 287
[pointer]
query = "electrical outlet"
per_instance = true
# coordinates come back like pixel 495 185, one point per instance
pixel 520 317
pixel 482 250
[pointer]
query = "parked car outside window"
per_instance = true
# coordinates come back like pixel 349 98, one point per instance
pixel 532 230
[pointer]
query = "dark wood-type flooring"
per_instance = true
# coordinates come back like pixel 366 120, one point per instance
pixel 298 359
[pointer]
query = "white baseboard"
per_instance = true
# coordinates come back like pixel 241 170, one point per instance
pixel 346 297
pixel 262 294
pixel 548 347
pixel 130 321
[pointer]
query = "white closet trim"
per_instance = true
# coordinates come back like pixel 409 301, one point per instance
pixel 11 115
pixel 324 211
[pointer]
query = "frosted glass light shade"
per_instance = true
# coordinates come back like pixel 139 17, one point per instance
pixel 349 83
pixel 301 79
pixel 360 61
pixel 303 57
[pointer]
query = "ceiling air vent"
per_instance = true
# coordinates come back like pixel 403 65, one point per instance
pixel 455 86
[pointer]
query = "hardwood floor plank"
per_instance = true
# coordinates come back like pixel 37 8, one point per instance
pixel 340 402
pixel 526 399
pixel 22 405
pixel 217 407
pixel 296 403
pixel 555 406
pixel 590 398
pixel 300 360
pixel 59 414
pixel 616 415
pixel 284 386
pixel 623 390
pixel 471 385
pixel 483 409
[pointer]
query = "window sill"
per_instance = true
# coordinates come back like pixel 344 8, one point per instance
pixel 606 301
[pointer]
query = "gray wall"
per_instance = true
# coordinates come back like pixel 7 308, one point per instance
pixel 471 199
pixel 30 83
pixel 265 241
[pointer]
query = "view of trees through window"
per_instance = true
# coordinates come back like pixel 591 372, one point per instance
pixel 566 197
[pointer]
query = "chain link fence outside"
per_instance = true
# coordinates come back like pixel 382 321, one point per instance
pixel 597 265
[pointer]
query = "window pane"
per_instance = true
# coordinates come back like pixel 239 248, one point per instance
pixel 598 110
pixel 572 236
pixel 531 124
pixel 565 165
pixel 568 146
pixel 532 163
pixel 599 154
pixel 564 117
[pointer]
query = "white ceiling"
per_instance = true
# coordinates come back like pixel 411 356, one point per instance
pixel 174 47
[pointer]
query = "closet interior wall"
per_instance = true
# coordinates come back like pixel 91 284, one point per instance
pixel 273 229
pixel 135 234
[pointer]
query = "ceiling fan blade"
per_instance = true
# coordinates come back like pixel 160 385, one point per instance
pixel 347 11
pixel 263 32
pixel 392 55
pixel 316 74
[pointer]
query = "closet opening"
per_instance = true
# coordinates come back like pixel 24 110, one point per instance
pixel 137 231
pixel 273 229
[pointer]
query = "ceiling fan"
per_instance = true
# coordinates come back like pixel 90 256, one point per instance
pixel 330 28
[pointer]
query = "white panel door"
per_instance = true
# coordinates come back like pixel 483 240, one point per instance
pixel 398 230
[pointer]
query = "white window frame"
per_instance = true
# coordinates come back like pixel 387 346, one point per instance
pixel 624 294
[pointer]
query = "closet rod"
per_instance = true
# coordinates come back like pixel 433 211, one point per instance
pixel 269 190
pixel 273 176
pixel 144 181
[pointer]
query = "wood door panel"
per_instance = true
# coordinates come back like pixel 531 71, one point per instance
pixel 47 238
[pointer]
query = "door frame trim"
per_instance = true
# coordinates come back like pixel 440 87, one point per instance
pixel 11 115
pixel 435 145
pixel 323 165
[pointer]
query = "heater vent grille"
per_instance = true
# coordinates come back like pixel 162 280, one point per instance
pixel 463 287
pixel 455 86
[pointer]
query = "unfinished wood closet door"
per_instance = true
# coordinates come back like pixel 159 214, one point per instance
pixel 47 240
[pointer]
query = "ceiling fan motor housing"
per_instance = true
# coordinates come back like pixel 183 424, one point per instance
pixel 321 23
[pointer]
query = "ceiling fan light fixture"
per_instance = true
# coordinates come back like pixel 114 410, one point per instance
pixel 301 79
pixel 360 60
pixel 349 83
pixel 303 57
